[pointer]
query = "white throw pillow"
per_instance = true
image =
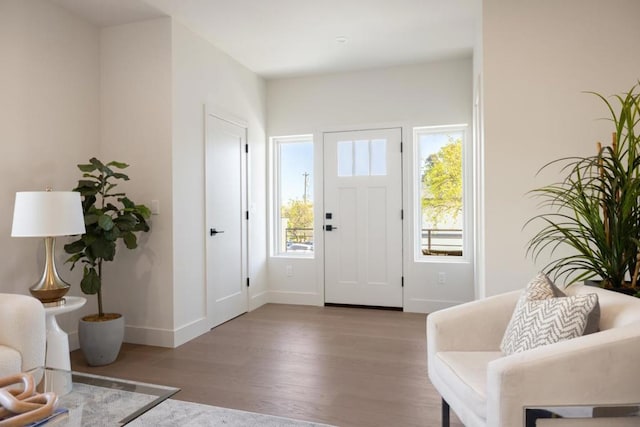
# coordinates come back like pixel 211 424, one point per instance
pixel 527 324
pixel 539 288
pixel 541 322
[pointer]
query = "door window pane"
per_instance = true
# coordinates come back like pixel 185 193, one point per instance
pixel 345 158
pixel 361 164
pixel 362 157
pixel 379 157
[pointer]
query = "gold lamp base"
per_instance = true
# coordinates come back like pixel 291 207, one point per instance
pixel 50 289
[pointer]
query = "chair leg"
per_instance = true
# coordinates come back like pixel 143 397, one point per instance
pixel 445 414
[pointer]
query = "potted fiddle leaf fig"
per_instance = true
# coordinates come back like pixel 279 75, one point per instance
pixel 595 209
pixel 109 216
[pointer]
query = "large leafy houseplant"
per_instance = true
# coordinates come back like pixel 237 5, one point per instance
pixel 109 216
pixel 595 209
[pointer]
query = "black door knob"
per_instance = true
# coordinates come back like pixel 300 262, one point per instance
pixel 213 232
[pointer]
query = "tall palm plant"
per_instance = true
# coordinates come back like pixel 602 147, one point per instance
pixel 594 209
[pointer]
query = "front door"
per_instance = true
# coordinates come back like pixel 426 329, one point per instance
pixel 363 217
pixel 226 201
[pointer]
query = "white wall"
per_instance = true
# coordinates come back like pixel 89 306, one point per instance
pixel 49 86
pixel 538 58
pixel 205 75
pixel 136 122
pixel 420 95
pixel 132 93
pixel 157 76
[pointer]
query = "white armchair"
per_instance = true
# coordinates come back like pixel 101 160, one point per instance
pixel 486 388
pixel 22 334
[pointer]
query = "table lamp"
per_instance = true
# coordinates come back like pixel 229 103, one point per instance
pixel 48 214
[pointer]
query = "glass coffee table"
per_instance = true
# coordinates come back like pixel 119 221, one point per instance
pixel 98 400
pixel 604 415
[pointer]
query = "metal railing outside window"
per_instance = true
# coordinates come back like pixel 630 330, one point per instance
pixel 299 239
pixel 442 241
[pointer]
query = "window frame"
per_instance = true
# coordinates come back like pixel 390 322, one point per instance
pixel 275 143
pixel 467 196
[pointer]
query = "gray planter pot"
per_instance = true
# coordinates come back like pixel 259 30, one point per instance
pixel 100 342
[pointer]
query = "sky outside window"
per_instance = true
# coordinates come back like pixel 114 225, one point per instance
pixel 296 159
pixel 431 143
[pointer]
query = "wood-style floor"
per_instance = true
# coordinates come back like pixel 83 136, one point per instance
pixel 335 365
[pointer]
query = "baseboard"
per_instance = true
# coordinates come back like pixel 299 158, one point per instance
pixel 165 337
pixel 149 336
pixel 154 336
pixel 419 305
pixel 298 298
pixel 190 331
pixel 258 300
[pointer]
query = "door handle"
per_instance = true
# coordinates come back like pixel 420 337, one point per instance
pixel 213 232
pixel 330 227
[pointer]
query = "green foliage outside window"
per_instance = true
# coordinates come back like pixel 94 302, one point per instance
pixel 299 215
pixel 442 183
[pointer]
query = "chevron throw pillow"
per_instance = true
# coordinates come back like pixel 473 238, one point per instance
pixel 539 288
pixel 542 280
pixel 540 322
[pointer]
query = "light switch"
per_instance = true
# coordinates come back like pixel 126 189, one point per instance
pixel 155 207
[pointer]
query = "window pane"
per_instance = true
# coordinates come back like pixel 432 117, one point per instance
pixel 345 158
pixel 441 209
pixel 379 157
pixel 295 192
pixel 361 166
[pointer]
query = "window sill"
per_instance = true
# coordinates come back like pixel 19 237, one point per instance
pixel 293 256
pixel 434 259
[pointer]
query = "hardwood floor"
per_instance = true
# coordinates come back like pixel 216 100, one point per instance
pixel 335 365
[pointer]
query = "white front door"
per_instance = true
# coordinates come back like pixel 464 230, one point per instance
pixel 363 217
pixel 226 201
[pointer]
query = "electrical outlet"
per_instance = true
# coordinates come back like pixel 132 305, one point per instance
pixel 289 271
pixel 442 278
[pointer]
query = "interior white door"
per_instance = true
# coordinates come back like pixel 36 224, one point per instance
pixel 363 217
pixel 226 201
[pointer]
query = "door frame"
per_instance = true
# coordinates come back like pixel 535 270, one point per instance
pixel 225 116
pixel 319 212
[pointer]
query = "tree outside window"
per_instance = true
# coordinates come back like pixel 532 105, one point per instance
pixel 441 191
pixel 442 184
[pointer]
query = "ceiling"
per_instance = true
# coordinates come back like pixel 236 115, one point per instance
pixel 286 38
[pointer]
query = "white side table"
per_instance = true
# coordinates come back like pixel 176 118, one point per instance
pixel 57 357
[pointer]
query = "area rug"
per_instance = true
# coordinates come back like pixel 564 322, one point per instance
pixel 188 414
pixel 93 406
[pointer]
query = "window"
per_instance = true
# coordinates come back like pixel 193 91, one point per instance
pixel 362 157
pixel 293 195
pixel 440 190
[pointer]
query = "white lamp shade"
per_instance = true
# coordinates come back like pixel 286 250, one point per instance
pixel 47 214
